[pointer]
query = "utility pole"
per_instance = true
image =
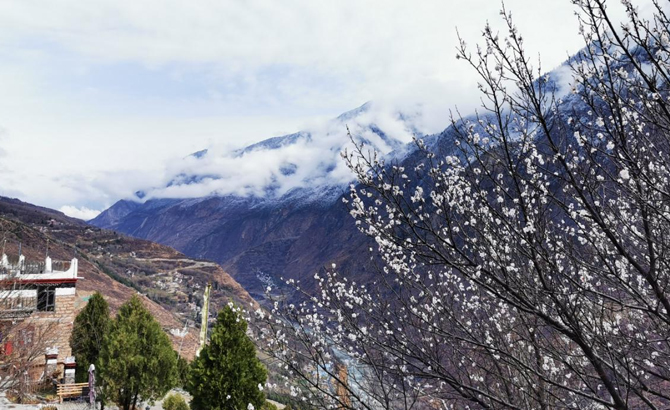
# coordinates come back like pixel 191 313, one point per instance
pixel 204 313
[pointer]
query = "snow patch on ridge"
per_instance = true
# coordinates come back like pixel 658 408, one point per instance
pixel 303 165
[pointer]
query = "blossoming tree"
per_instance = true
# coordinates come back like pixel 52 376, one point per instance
pixel 527 265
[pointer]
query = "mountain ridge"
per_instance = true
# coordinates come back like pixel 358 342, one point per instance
pixel 169 282
pixel 295 234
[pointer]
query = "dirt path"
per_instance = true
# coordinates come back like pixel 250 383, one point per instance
pixel 193 263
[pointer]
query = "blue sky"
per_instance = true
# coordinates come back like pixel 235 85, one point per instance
pixel 100 95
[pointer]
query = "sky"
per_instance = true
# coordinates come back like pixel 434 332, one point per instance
pixel 102 97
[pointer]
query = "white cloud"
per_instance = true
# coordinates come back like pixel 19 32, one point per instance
pixel 102 93
pixel 79 212
pixel 312 161
pixel 297 51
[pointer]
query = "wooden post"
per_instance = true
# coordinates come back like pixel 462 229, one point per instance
pixel 341 383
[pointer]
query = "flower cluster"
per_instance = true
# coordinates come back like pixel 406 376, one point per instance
pixel 528 266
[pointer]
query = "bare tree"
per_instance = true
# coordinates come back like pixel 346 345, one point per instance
pixel 526 268
pixel 30 328
pixel 23 369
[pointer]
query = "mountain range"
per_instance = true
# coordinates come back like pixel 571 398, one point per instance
pixel 292 222
pixel 289 225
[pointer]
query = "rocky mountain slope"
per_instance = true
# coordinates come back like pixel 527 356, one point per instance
pixel 260 240
pixel 257 243
pixel 268 232
pixel 119 266
pixel 288 222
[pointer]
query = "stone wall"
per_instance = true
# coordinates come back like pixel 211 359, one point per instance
pixel 54 328
pixel 64 317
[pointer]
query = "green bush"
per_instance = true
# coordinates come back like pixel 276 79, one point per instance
pixel 268 406
pixel 175 402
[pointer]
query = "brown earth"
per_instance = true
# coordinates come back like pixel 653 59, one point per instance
pixel 118 266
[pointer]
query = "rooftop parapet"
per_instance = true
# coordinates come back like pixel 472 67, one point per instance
pixel 48 269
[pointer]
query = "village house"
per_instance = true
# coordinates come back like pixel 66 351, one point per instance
pixel 36 316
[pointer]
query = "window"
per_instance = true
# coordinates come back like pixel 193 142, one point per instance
pixel 46 298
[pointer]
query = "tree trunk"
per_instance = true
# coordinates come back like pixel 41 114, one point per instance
pixel 135 400
pixel 126 401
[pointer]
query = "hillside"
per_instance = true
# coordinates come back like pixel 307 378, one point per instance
pixel 279 199
pixel 119 266
pixel 292 235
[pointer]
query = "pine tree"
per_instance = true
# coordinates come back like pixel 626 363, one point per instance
pixel 227 375
pixel 137 360
pixel 88 334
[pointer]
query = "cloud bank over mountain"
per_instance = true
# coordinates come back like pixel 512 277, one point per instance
pixel 307 159
pixel 83 212
pixel 105 93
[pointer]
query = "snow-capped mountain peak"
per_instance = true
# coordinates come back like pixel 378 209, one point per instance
pixel 304 164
